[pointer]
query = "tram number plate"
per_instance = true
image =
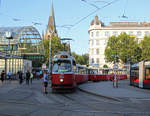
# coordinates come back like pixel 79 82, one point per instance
pixel 61 76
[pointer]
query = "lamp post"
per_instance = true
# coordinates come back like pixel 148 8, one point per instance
pixel 115 68
pixel 50 48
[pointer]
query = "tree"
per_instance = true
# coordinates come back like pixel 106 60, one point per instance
pixel 55 47
pixel 125 47
pixel 83 60
pixel 129 50
pixel 145 46
pixel 112 49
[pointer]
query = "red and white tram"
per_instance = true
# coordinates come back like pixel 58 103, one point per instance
pixel 63 76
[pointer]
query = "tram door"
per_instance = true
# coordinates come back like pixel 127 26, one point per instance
pixel 141 73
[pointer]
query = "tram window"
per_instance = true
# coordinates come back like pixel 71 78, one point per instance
pixel 55 67
pixel 62 66
pixel 147 74
pixel 74 66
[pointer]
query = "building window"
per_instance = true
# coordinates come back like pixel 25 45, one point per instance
pixel 107 33
pixel 115 33
pixel 138 33
pixel 92 60
pixel 147 33
pixel 131 33
pixel 97 51
pixel 97 34
pixel 92 34
pixel 97 42
pixel 92 51
pixel 92 42
pixel 105 42
pixel 97 61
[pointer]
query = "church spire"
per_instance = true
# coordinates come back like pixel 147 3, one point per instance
pixel 51 21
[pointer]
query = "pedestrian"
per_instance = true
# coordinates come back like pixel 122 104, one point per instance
pixel 27 77
pixel 2 76
pixel 9 76
pixel 20 77
pixel 31 77
pixel 45 81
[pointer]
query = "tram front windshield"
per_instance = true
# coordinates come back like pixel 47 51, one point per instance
pixel 62 66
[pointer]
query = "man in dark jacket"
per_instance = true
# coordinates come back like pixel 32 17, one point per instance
pixel 2 76
pixel 20 77
pixel 27 77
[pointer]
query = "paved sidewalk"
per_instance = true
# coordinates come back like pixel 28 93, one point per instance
pixel 105 89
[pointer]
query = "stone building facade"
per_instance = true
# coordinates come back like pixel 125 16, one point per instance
pixel 99 35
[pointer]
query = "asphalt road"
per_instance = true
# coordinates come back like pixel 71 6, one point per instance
pixel 24 100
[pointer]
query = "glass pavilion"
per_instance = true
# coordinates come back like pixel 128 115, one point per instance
pixel 26 43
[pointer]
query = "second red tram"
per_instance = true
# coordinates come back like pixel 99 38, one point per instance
pixel 140 75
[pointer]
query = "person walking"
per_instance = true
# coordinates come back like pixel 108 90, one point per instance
pixel 9 76
pixel 27 77
pixel 31 77
pixel 20 77
pixel 2 76
pixel 45 81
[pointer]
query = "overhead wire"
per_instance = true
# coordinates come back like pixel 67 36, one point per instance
pixel 107 4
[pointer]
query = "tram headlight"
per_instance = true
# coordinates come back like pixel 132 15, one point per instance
pixel 61 80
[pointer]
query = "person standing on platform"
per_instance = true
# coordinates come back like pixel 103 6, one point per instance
pixel 9 76
pixel 45 81
pixel 20 77
pixel 2 76
pixel 27 77
pixel 31 77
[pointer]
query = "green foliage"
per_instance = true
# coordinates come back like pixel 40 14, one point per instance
pixel 145 46
pixel 129 48
pixel 105 66
pixel 55 47
pixel 125 47
pixel 83 60
pixel 112 49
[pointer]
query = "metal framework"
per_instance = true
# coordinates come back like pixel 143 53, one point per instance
pixel 26 40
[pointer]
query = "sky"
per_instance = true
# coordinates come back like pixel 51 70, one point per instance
pixel 72 17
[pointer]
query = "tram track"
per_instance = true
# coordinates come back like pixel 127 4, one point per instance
pixel 93 109
pixel 68 102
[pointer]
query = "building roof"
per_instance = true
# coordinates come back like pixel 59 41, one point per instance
pixel 129 24
pixel 51 21
pixel 26 39
pixel 96 21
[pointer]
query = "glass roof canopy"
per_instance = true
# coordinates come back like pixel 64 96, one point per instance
pixel 26 41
